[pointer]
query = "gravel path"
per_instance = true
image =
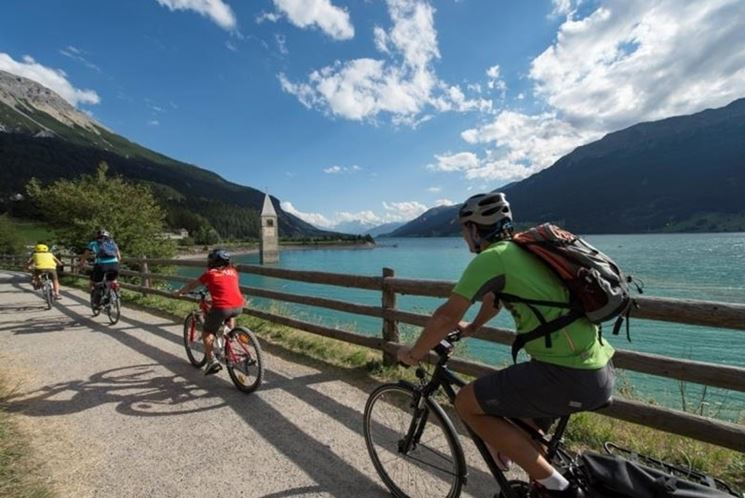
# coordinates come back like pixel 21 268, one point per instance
pixel 118 411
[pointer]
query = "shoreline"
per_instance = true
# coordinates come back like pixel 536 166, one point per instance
pixel 288 247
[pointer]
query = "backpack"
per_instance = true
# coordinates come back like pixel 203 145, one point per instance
pixel 598 289
pixel 107 248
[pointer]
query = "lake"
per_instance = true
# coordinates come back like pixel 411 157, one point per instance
pixel 693 266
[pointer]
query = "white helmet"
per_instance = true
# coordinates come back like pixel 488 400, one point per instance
pixel 486 210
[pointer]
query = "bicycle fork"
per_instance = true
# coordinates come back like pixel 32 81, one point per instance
pixel 417 425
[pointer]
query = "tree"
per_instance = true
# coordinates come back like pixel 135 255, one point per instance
pixel 11 241
pixel 80 207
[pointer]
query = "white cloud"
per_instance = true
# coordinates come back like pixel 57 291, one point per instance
pixel 217 10
pixel 495 82
pixel 333 170
pixel 445 202
pixel 281 43
pixel 332 20
pixel 268 16
pixel 403 86
pixel 631 61
pixel 392 211
pixel 78 55
pixel 153 122
pixel 462 161
pixel 54 79
pixel 434 190
pixel 403 211
pixel 230 46
pixel 316 219
pixel 625 62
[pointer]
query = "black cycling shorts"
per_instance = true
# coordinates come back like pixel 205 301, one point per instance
pixel 111 270
pixel 217 316
pixel 540 390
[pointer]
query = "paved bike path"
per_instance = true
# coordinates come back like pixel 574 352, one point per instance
pixel 118 410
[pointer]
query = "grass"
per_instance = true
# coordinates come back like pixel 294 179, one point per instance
pixel 33 231
pixel 19 476
pixel 586 430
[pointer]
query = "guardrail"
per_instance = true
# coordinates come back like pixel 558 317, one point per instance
pixel 705 313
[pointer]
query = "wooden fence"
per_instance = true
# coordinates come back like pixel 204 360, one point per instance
pixel 704 313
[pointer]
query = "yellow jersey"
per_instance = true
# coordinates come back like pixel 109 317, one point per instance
pixel 44 261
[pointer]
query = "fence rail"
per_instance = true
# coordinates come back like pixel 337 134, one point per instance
pixel 705 313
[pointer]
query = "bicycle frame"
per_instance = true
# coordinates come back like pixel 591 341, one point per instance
pixel 443 378
pixel 204 308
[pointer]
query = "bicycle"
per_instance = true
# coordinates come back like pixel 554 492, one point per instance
pixel 410 426
pixel 238 348
pixel 106 295
pixel 47 291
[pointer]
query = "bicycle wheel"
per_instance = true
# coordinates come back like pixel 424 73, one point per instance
pixel 193 340
pixel 113 308
pixel 95 309
pixel 434 465
pixel 243 359
pixel 48 295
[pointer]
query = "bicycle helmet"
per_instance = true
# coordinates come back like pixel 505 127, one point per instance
pixel 41 248
pixel 217 258
pixel 103 233
pixel 486 210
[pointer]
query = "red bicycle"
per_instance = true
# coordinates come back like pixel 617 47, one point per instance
pixel 237 348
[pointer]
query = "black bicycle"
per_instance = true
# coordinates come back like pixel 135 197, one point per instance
pixel 416 451
pixel 47 289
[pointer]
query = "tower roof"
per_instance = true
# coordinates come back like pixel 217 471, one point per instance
pixel 268 209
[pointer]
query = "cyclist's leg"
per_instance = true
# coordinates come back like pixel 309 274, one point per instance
pixel 212 323
pixel 501 436
pixel 96 275
pixel 532 390
pixel 55 283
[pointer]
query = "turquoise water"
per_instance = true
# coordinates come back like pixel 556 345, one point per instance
pixel 700 266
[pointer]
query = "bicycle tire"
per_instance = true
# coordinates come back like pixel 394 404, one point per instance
pixel 193 340
pixel 48 295
pixel 244 359
pixel 95 310
pixel 114 309
pixel 388 420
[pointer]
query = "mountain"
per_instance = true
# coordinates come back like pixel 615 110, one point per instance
pixel 438 221
pixel 385 229
pixel 43 136
pixel 680 174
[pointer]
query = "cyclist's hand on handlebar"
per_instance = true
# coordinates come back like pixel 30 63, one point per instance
pixel 404 356
pixel 465 328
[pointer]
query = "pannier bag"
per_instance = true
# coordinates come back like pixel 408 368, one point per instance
pixel 611 476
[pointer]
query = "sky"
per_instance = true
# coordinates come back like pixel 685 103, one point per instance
pixel 376 110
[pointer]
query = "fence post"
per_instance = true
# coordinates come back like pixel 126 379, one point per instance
pixel 390 328
pixel 144 268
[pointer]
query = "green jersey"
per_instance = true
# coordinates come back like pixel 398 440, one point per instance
pixel 505 267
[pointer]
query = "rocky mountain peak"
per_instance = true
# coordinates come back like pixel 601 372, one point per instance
pixel 24 96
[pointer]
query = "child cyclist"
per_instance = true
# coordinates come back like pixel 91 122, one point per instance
pixel 43 261
pixel 221 279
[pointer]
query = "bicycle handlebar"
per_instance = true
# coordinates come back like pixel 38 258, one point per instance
pixel 201 294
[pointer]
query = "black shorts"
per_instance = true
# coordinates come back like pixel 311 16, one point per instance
pixel 110 270
pixel 217 316
pixel 539 390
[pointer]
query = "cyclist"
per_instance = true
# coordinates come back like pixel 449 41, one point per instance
pixel 43 261
pixel 221 280
pixel 571 375
pixel 106 264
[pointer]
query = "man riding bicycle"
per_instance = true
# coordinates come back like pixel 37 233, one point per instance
pixel 106 264
pixel 43 261
pixel 570 373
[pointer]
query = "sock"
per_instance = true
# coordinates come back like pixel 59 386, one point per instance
pixel 555 482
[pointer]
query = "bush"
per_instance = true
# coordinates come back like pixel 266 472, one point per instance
pixel 11 241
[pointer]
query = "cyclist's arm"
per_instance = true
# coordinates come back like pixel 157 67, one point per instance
pixel 489 309
pixel 57 261
pixel 189 287
pixel 30 263
pixel 443 321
